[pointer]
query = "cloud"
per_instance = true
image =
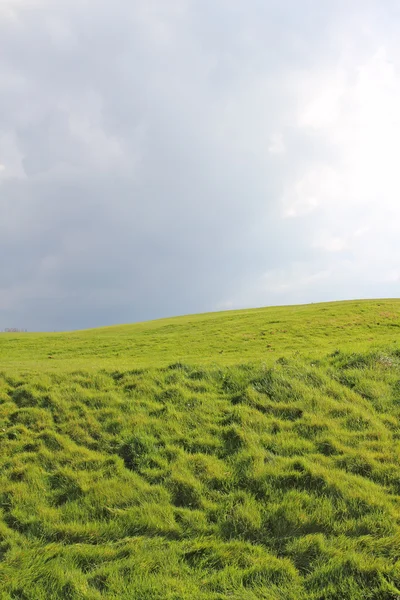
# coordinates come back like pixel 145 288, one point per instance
pixel 351 112
pixel 276 145
pixel 332 244
pixel 166 158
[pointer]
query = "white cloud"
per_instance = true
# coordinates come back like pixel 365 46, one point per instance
pixel 10 9
pixel 393 276
pixel 276 144
pixel 331 244
pixel 353 110
pixel 319 185
pixel 349 200
pixel 11 156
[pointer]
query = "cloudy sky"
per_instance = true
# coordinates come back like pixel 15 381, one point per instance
pixel 163 157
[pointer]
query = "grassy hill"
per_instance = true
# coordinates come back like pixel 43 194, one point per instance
pixel 244 455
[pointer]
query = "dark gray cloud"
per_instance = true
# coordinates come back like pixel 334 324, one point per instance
pixel 159 158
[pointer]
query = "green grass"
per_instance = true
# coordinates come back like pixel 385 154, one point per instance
pixel 242 455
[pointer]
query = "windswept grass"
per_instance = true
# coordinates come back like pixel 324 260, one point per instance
pixel 221 462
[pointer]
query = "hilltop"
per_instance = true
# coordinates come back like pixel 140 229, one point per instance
pixel 246 454
pixel 226 338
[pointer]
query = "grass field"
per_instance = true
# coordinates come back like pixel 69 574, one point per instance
pixel 243 455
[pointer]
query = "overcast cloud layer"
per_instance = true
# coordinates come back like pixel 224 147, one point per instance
pixel 178 156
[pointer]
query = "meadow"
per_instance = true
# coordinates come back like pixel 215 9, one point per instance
pixel 243 455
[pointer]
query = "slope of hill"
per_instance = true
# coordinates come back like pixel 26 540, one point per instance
pixel 245 455
pixel 225 338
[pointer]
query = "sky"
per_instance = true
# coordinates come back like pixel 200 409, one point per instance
pixel 171 157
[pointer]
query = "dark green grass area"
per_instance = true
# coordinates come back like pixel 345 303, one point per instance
pixel 272 476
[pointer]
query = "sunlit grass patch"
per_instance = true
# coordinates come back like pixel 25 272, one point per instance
pixel 204 466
